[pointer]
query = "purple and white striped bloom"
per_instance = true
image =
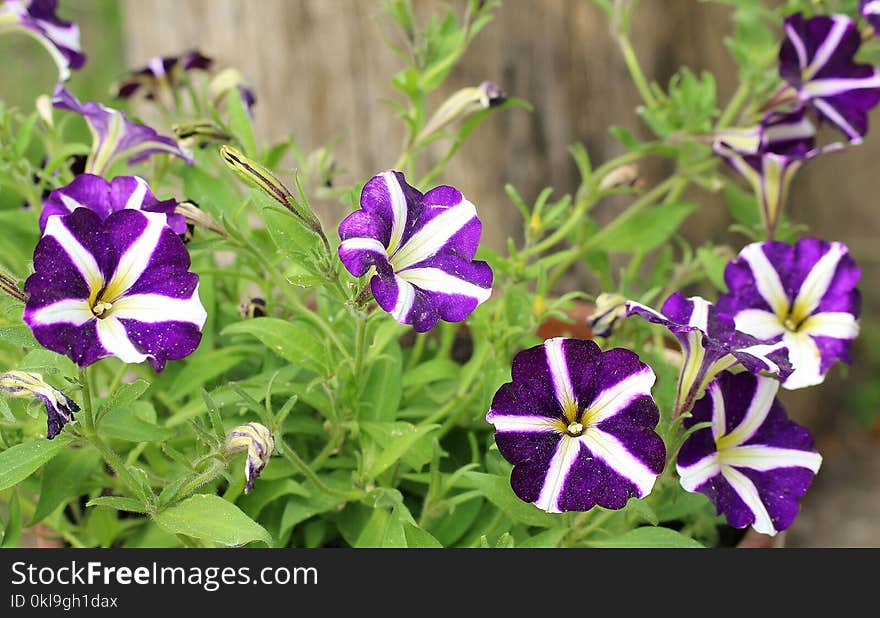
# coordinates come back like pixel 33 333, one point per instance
pixel 816 59
pixel 161 76
pixel 769 155
pixel 752 462
pixel 59 407
pixel 804 296
pixel 578 426
pixel 102 197
pixel 871 12
pixel 259 443
pixel 421 248
pixel 37 18
pixel 114 136
pixel 117 286
pixel 710 343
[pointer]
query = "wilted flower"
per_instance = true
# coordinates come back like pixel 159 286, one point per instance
pixel 161 76
pixel 607 313
pixel 578 426
pixel 461 105
pixel 257 440
pixel 59 407
pixel 37 18
pixel 816 59
pixel 422 249
pixel 769 155
pixel 803 296
pixel 103 198
pixel 710 343
pixel 114 136
pixel 118 286
pixel 753 463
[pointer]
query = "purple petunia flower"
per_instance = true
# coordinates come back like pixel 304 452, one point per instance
pixel 753 463
pixel 769 155
pixel 114 136
pixel 102 197
pixel 38 19
pixel 578 426
pixel 259 443
pixel 711 344
pixel 422 249
pixel 816 59
pixel 161 75
pixel 803 295
pixel 59 407
pixel 117 286
pixel 871 11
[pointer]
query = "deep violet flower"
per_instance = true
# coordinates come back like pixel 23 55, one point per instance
pixel 422 249
pixel 37 18
pixel 59 407
pixel 753 463
pixel 161 76
pixel 578 426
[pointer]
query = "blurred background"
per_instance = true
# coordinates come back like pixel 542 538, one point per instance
pixel 320 71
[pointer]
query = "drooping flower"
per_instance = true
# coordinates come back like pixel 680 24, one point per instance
pixel 161 76
pixel 37 18
pixel 769 155
pixel 753 463
pixel 422 249
pixel 117 286
pixel 816 59
pixel 59 407
pixel 102 197
pixel 114 136
pixel 803 296
pixel 257 440
pixel 871 12
pixel 578 426
pixel 711 344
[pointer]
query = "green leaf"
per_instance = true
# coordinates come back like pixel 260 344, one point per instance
pixel 128 423
pixel 645 231
pixel 681 504
pixel 211 518
pixel 713 264
pixel 380 399
pixel 63 478
pixel 267 492
pixel 545 539
pixel 416 537
pixel 118 503
pixel 432 371
pixel 393 441
pixel 497 490
pixel 293 340
pixel 643 511
pixel 240 122
pixel 18 335
pixel 292 239
pixel 649 536
pixel 20 461
pixel 12 534
pixel 123 397
pixel 205 366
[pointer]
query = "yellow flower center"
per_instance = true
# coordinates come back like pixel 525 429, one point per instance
pixel 101 309
pixel 575 429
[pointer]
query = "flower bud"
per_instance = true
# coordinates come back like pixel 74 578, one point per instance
pixel 461 105
pixel 623 176
pixel 59 407
pixel 259 444
pixel 252 308
pixel 196 217
pixel 609 309
pixel 199 134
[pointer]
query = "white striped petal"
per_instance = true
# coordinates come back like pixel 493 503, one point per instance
pixel 559 374
pixel 81 258
pixel 406 296
pixel 68 311
pixel 606 447
pixel 719 411
pixel 817 281
pixel 836 324
pixel 747 491
pixel 871 8
pixel 616 398
pixel 70 203
pixel 362 244
pixel 114 338
pixel 697 474
pixel 759 408
pixel 828 46
pixel 521 423
pixel 832 86
pixel 798 43
pixel 153 308
pixel 427 241
pixel 766 278
pixel 137 257
pixel 436 280
pixel 136 199
pixel 560 465
pixel 763 458
pixel 398 210
pixel 758 323
pixel 700 314
pixel 834 116
pixel 805 358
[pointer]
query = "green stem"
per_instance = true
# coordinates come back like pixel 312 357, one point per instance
pixel 736 102
pixel 635 70
pixel 87 417
pixel 202 478
pixel 303 467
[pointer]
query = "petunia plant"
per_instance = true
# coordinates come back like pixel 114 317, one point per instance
pixel 208 339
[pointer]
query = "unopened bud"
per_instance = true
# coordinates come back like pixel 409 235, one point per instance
pixel 252 308
pixel 623 176
pixel 257 440
pixel 59 407
pixel 609 309
pixel 461 105
pixel 199 134
pixel 196 217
